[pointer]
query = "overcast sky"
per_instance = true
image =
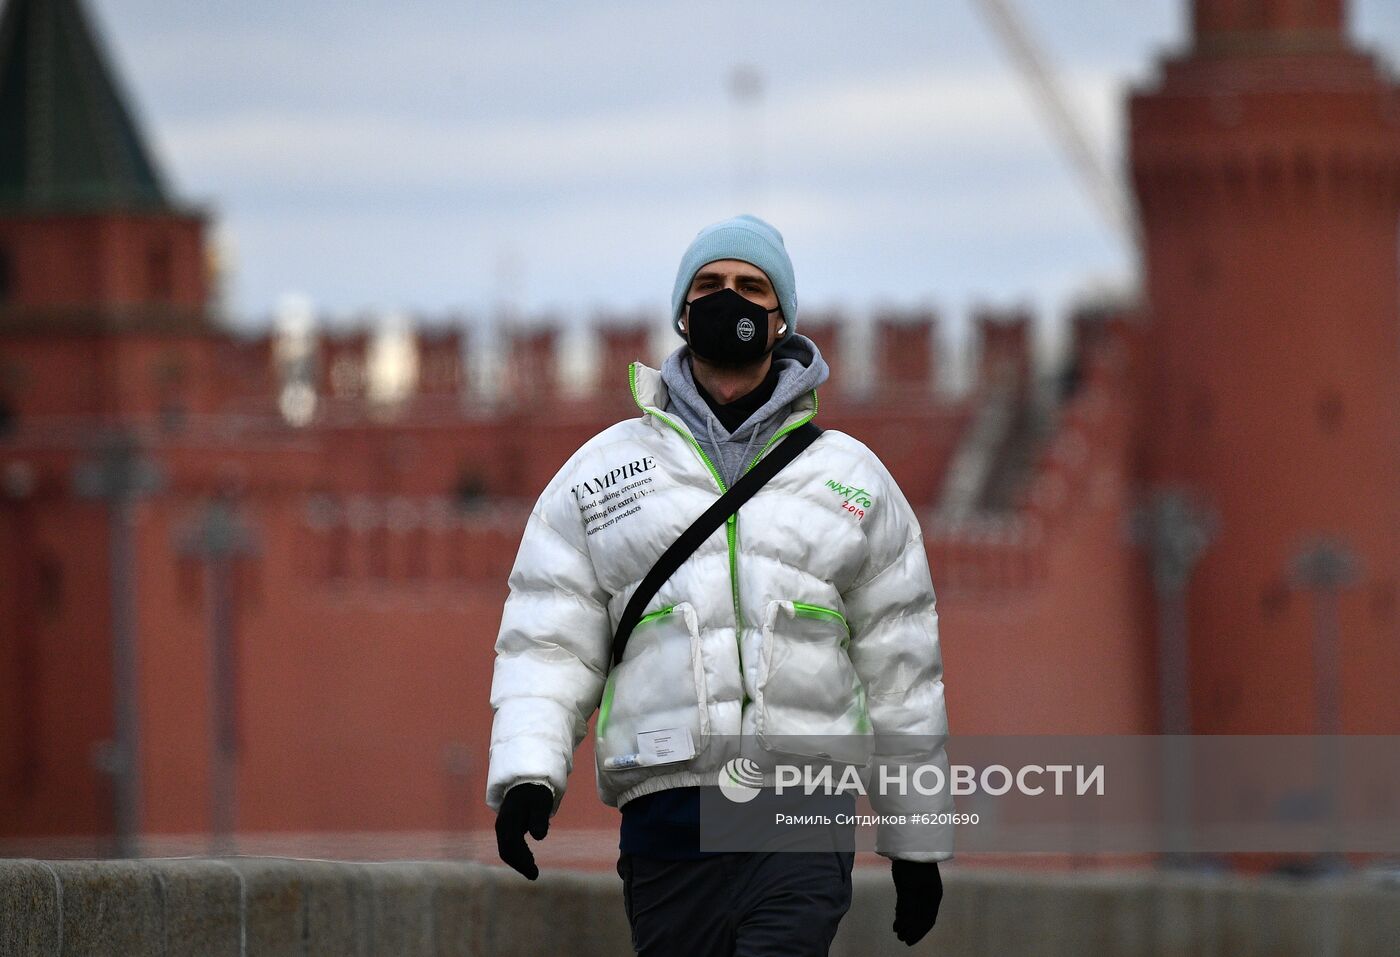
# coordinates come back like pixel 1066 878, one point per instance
pixel 432 155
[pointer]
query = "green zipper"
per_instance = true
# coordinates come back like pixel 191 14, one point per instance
pixel 652 616
pixel 605 709
pixel 784 431
pixel 714 472
pixel 820 611
pixel 807 610
pixel 730 531
pixel 734 518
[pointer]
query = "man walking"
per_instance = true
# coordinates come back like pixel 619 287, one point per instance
pixel 811 615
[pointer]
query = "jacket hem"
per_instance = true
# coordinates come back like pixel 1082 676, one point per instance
pixel 685 779
pixel 664 782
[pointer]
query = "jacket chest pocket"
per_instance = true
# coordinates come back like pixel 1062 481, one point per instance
pixel 811 701
pixel 659 685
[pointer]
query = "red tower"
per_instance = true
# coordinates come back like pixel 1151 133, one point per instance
pixel 103 322
pixel 1266 160
pixel 103 277
pixel 78 186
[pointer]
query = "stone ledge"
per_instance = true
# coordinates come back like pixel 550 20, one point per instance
pixel 239 906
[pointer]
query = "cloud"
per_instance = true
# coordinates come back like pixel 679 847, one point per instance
pixel 926 116
pixel 381 152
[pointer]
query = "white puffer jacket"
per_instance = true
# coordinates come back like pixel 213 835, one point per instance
pixel 823 570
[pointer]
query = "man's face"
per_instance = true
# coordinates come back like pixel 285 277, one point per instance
pixel 744 278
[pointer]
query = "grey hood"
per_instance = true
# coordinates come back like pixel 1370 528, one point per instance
pixel 801 369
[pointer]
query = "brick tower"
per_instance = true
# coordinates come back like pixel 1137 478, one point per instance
pixel 103 324
pixel 88 236
pixel 1266 160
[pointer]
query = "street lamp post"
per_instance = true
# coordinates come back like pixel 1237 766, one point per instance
pixel 119 475
pixel 1324 566
pixel 1176 529
pixel 217 538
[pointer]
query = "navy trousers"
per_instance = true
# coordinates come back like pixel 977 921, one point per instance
pixel 740 904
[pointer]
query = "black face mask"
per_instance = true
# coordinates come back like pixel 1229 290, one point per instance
pixel 727 329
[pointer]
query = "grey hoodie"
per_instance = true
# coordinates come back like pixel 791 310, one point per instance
pixel 801 368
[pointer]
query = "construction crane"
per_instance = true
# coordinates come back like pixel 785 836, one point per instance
pixel 1105 189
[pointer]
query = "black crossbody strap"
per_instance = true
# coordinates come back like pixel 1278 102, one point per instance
pixel 706 525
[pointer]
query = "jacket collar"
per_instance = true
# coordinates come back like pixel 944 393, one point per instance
pixel 649 392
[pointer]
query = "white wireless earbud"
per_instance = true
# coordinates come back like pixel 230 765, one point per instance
pixel 782 329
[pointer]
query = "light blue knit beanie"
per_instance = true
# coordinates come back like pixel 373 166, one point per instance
pixel 745 238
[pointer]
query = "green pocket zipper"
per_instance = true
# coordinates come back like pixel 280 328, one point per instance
pixel 605 708
pixel 818 611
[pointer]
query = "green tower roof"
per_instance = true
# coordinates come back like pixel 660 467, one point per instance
pixel 67 140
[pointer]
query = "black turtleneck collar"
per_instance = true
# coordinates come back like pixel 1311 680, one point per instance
pixel 731 415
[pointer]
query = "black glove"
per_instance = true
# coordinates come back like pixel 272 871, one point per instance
pixel 918 890
pixel 525 807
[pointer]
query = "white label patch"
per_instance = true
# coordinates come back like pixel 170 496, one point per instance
pixel 665 746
